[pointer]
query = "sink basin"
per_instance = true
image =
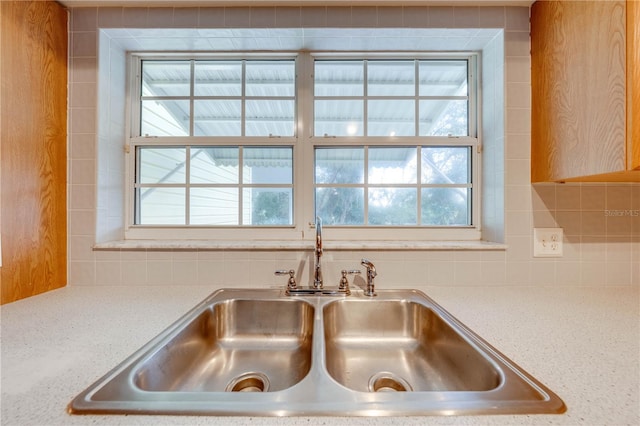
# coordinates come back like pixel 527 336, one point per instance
pixel 374 346
pixel 235 345
pixel 259 352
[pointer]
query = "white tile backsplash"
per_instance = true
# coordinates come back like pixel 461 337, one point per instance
pixel 82 222
pixel 83 120
pixel 313 17
pixel 110 17
pixel 491 17
pixel 517 19
pixel 600 250
pixel 82 171
pixel 134 272
pixel 618 273
pixel 341 16
pixel 211 17
pixel 82 94
pixel 160 17
pixel 493 273
pixel 517 43
pixel 108 273
pixel 84 19
pixel 185 18
pixel 237 17
pixel 466 17
pixel 441 17
pixel 83 197
pixel 83 44
pixel 83 146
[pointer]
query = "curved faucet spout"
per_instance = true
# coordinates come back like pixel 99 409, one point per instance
pixel 317 273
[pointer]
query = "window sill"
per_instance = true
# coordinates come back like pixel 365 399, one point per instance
pixel 263 245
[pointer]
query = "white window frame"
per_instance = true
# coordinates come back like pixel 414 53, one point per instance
pixel 304 143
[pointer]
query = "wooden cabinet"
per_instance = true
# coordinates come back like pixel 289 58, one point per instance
pixel 33 117
pixel 584 78
pixel 633 83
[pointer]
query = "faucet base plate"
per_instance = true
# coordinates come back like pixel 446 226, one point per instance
pixel 317 292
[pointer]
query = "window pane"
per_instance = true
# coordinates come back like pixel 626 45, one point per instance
pixel 339 165
pixel 267 165
pixel 218 78
pixel 267 206
pixel 443 78
pixel 164 118
pixel 393 165
pixel 445 206
pixel 270 117
pixel 161 206
pixel 340 206
pixel 166 78
pixel 161 165
pixel 393 206
pixel 445 165
pixel 219 165
pixel 270 78
pixel 339 78
pixel 214 206
pixel 338 118
pixel 217 117
pixel 391 78
pixel 444 117
pixel 391 118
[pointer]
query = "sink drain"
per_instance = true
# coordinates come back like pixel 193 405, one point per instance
pixel 388 382
pixel 249 382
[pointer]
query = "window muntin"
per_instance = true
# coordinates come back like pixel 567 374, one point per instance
pixel 215 186
pixel 369 112
pixel 393 186
pixel 217 98
pixel 395 98
pixel 447 191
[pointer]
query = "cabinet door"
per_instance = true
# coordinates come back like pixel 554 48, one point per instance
pixel 633 84
pixel 578 54
pixel 33 105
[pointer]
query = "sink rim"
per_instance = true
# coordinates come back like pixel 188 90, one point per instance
pixel 317 394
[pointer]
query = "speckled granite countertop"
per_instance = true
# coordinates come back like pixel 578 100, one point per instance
pixel 583 343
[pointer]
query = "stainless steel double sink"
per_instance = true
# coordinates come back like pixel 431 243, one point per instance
pixel 260 352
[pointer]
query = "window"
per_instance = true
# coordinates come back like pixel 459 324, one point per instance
pixel 393 100
pixel 259 146
pixel 392 187
pixel 217 98
pixel 214 185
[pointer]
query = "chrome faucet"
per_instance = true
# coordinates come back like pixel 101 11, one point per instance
pixel 317 288
pixel 317 273
pixel 371 274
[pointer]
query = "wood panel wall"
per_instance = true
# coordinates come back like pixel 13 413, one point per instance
pixel 579 91
pixel 633 83
pixel 33 98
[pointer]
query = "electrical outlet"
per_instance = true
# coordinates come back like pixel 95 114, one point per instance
pixel 547 242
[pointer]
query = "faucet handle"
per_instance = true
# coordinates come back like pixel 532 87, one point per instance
pixel 291 284
pixel 344 282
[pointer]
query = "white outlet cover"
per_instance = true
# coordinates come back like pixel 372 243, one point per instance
pixel 547 242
